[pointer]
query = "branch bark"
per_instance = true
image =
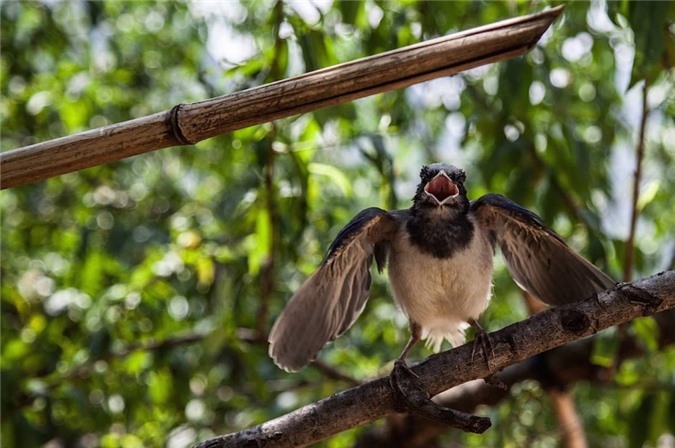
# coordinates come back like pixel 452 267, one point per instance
pixel 513 344
pixel 555 370
pixel 187 124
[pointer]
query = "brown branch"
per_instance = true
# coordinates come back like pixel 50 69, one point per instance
pixel 268 273
pixel 572 430
pixel 561 366
pixel 194 122
pixel 513 344
pixel 637 177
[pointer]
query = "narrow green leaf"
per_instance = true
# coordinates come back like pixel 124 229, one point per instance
pixel 605 348
pixel 336 176
pixel 649 22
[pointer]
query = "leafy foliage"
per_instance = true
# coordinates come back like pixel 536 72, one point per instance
pixel 136 296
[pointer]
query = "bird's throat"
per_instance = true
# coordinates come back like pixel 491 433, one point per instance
pixel 440 237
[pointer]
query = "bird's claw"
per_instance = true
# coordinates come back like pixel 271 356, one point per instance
pixel 407 386
pixel 483 339
pixel 411 396
pixel 487 349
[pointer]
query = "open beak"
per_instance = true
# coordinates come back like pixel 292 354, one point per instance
pixel 441 188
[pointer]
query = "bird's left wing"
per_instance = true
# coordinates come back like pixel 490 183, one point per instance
pixel 538 259
pixel 335 295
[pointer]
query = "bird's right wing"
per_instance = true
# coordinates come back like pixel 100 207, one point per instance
pixel 538 259
pixel 335 295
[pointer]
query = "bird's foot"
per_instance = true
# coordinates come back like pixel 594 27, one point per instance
pixel 406 385
pixel 411 396
pixel 482 339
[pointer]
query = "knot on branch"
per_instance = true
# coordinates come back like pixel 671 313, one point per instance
pixel 639 296
pixel 574 321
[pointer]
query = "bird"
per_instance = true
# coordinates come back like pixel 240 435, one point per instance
pixel 439 259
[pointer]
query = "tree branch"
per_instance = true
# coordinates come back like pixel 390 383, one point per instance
pixel 554 370
pixel 513 344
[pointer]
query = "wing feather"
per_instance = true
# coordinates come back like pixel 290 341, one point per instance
pixel 538 259
pixel 335 295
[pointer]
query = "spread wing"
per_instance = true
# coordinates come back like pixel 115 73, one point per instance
pixel 538 259
pixel 335 295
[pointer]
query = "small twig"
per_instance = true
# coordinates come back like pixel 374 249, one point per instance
pixel 150 346
pixel 333 373
pixel 268 273
pixel 637 177
pixel 251 337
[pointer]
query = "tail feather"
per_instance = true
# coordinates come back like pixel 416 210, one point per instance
pixel 454 334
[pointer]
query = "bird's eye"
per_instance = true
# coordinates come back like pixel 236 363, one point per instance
pixel 461 177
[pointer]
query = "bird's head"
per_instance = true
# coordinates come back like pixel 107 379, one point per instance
pixel 441 187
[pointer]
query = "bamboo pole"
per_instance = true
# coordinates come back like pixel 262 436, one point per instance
pixel 188 124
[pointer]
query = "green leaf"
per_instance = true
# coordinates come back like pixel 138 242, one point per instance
pixel 649 22
pixel 159 386
pixel 648 193
pixel 258 244
pixel 352 12
pixel 647 330
pixel 334 175
pixel 605 348
pixel 91 277
pixel 639 428
pixel 137 362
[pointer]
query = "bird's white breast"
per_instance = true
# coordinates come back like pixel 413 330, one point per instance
pixel 442 294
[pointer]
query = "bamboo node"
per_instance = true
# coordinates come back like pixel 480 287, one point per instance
pixel 174 124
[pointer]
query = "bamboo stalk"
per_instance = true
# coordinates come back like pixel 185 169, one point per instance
pixel 191 123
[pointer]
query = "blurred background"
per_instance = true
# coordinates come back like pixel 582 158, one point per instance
pixel 137 296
